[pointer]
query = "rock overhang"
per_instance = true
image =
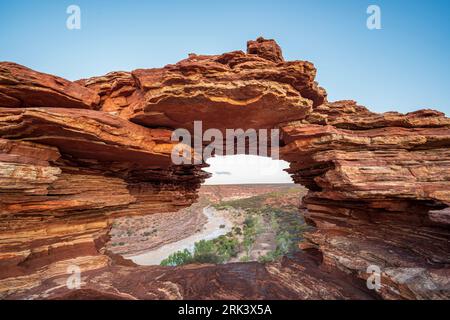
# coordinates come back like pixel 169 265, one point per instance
pixel 76 154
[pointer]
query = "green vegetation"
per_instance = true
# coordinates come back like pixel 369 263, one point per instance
pixel 178 258
pixel 285 245
pixel 251 230
pixel 237 230
pixel 269 212
pixel 216 251
pixel 283 218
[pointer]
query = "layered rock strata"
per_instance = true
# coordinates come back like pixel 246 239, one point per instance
pixel 375 181
pixel 75 155
pixel 293 278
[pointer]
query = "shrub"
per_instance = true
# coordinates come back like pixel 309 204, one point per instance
pixel 204 252
pixel 214 251
pixel 250 222
pixel 178 258
pixel 284 242
pixel 226 247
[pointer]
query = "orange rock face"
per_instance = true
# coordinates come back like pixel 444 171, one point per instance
pixel 373 179
pixel 23 87
pixel 74 155
pixel 232 90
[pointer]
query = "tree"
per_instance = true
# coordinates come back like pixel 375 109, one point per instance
pixel 204 252
pixel 178 258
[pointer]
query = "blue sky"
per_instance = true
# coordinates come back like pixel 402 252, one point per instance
pixel 404 66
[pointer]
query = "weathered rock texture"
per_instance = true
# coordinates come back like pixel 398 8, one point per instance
pixel 74 155
pixel 373 180
pixel 232 90
pixel 295 278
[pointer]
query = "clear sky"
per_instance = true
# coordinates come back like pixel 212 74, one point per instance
pixel 403 67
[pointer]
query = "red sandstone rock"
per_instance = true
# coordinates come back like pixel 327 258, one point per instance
pixel 374 178
pixel 267 49
pixel 23 87
pixel 379 183
pixel 89 134
pixel 233 90
pixel 295 278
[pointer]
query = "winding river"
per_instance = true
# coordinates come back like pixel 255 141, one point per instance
pixel 210 230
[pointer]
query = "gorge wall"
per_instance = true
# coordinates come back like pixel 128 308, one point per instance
pixel 75 155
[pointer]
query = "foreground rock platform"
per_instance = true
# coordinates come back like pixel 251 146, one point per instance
pixel 76 155
pixel 299 277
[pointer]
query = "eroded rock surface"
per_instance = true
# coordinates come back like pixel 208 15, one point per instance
pixel 373 179
pixel 23 87
pixel 232 90
pixel 294 278
pixel 75 155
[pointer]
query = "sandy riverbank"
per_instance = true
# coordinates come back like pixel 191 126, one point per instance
pixel 212 229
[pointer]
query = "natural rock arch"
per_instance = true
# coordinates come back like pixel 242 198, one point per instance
pixel 74 155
